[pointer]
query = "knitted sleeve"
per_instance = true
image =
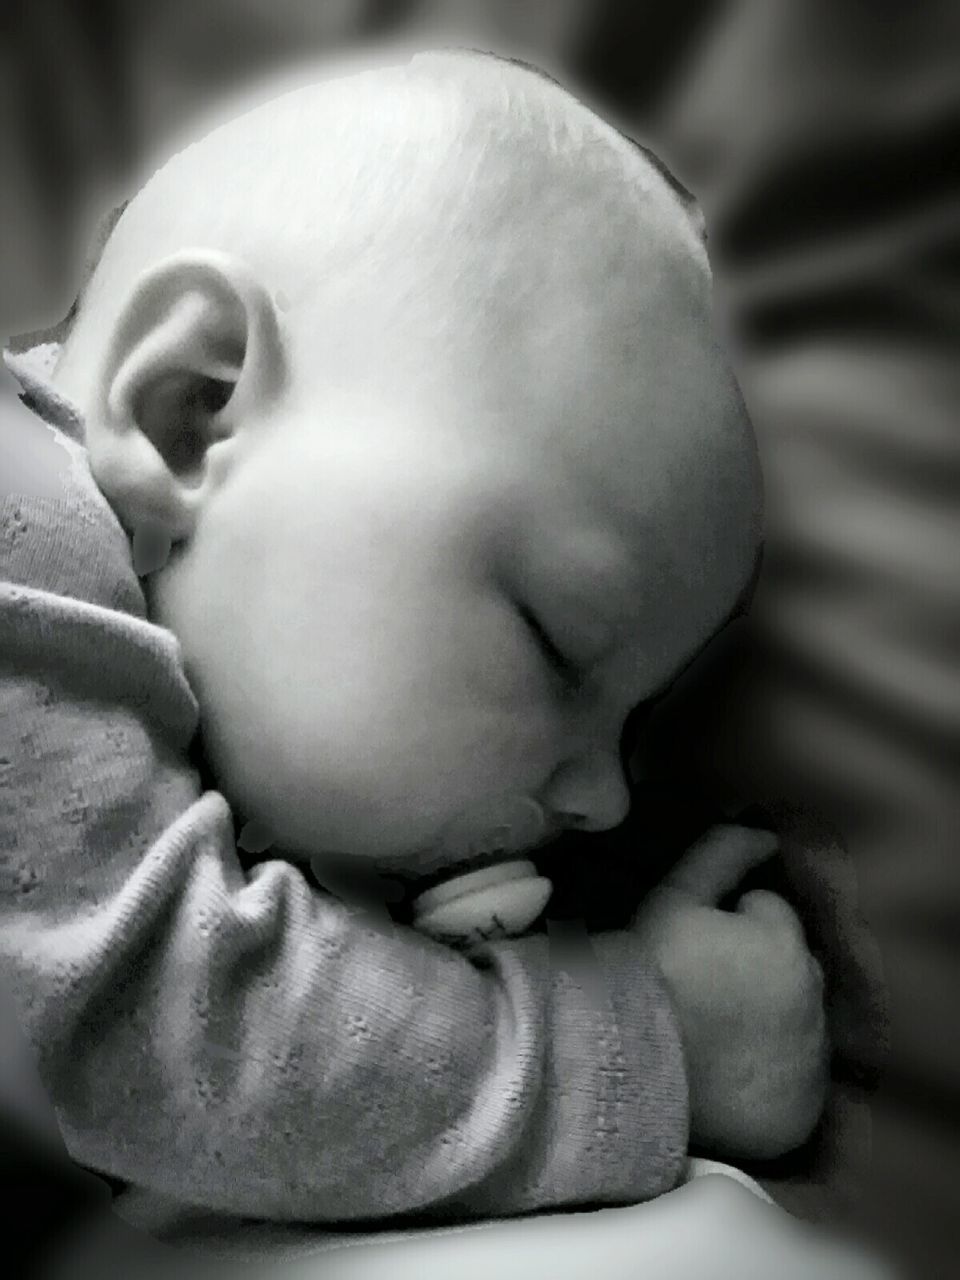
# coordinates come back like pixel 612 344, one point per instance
pixel 240 1039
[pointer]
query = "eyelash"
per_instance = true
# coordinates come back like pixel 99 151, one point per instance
pixel 557 660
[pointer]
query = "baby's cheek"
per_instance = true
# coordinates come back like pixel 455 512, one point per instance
pixel 458 742
pixel 498 662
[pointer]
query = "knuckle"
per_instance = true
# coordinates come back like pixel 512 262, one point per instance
pixel 803 964
pixel 799 1113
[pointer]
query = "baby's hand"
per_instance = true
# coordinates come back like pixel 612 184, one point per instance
pixel 748 996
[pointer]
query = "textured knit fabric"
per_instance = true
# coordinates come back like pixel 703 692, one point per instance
pixel 237 1038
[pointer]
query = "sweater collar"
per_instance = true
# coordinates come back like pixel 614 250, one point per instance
pixel 33 370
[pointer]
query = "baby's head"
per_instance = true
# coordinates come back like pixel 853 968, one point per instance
pixel 416 369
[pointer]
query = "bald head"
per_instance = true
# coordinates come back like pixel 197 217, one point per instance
pixel 460 221
pixel 416 370
pixel 451 194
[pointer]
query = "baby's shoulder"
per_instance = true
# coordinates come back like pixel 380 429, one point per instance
pixel 57 531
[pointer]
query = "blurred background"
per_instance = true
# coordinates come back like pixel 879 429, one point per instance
pixel 822 138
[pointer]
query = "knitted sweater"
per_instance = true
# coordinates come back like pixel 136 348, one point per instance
pixel 239 1038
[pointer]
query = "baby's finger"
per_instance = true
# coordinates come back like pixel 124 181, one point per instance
pixel 772 911
pixel 714 866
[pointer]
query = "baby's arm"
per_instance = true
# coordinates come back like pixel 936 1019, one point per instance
pixel 241 1040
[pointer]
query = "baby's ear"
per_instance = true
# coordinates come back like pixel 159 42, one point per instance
pixel 196 348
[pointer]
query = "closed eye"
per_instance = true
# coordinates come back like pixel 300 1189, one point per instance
pixel 557 659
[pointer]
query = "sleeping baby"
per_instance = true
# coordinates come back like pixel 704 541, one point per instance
pixel 393 453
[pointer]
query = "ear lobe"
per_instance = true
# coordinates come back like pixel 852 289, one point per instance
pixel 196 348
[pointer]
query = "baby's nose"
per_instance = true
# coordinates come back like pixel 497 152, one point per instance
pixel 590 792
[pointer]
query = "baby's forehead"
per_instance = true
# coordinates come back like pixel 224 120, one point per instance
pixel 516 101
pixel 685 197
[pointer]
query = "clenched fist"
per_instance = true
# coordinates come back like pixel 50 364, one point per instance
pixel 748 996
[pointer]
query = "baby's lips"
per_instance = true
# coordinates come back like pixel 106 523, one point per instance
pixel 498 828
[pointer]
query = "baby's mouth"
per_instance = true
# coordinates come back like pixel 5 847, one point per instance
pixel 499 831
pixel 498 901
pixel 503 830
pixel 486 888
pixel 422 883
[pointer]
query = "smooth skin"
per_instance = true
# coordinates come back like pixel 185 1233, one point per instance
pixel 747 994
pixel 482 482
pixel 415 371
